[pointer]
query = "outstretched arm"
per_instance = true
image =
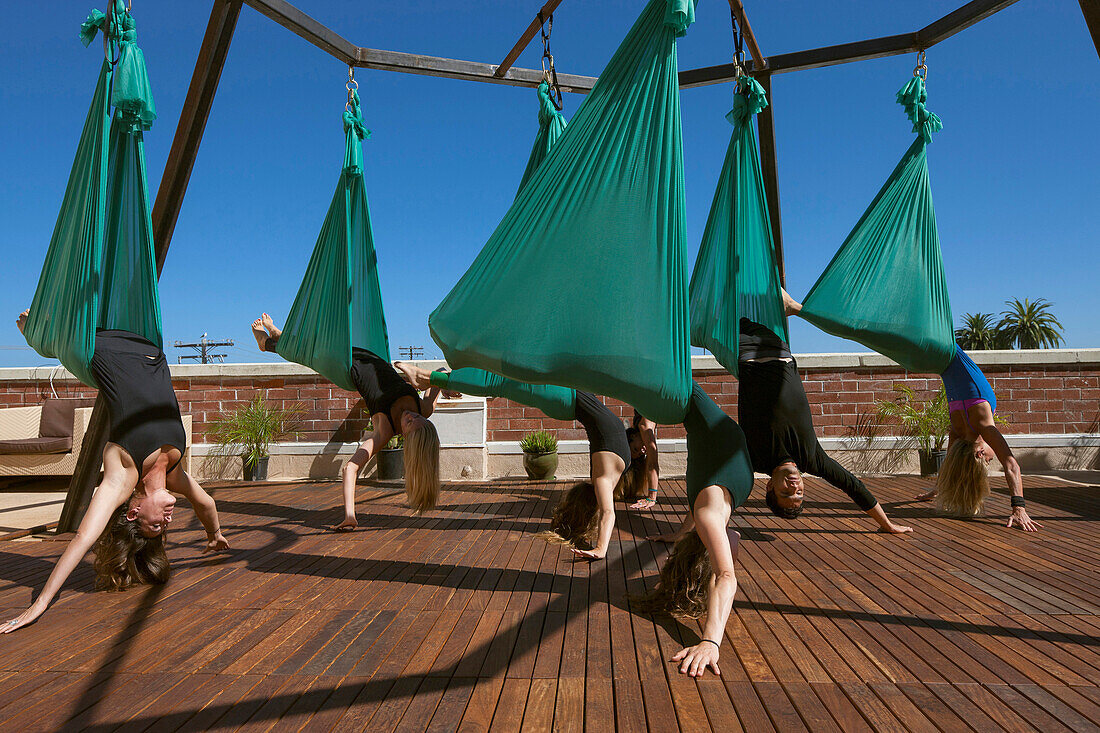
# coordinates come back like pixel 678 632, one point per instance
pixel 105 502
pixel 840 477
pixel 180 482
pixel 992 436
pixel 712 513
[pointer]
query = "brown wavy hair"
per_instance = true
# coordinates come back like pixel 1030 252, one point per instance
pixel 125 557
pixel 963 482
pixel 576 517
pixel 684 584
pixel 631 484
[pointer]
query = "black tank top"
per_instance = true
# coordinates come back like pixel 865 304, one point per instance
pixel 379 384
pixel 134 379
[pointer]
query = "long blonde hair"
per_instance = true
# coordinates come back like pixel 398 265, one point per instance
pixel 963 483
pixel 125 557
pixel 576 517
pixel 421 456
pixel 684 584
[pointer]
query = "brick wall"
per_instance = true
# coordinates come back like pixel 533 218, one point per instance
pixel 1034 399
pixel 1058 397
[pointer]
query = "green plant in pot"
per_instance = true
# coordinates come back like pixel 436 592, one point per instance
pixel 926 422
pixel 391 459
pixel 249 431
pixel 540 455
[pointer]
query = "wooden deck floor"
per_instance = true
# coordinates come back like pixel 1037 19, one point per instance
pixel 463 619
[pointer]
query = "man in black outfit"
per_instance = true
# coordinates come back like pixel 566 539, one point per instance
pixel 775 415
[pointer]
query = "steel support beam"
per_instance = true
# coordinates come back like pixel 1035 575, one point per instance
pixel 769 169
pixel 1091 11
pixel 545 12
pixel 173 186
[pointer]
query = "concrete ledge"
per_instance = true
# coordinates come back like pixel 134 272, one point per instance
pixel 699 363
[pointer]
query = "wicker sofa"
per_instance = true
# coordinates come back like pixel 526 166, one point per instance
pixel 45 439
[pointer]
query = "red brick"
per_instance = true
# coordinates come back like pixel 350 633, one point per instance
pixel 1044 405
pixel 1046 383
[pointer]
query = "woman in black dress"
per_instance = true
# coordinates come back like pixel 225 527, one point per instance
pixel 395 408
pixel 132 506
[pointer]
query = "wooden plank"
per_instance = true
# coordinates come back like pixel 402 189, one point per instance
pixel 525 38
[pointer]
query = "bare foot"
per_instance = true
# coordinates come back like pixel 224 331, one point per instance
pixel 791 307
pixel 414 375
pixel 260 334
pixel 349 524
pixel 21 321
pixel 270 326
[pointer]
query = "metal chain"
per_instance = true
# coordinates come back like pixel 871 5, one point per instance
pixel 921 69
pixel 549 73
pixel 352 86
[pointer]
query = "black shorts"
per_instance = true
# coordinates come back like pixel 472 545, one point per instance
pixel 605 431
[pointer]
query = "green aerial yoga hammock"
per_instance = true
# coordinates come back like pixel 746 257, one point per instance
pixel 100 269
pixel 599 227
pixel 551 126
pixel 559 403
pixel 886 288
pixel 736 273
pixel 339 304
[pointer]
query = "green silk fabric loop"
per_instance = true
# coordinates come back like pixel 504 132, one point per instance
pixel 100 268
pixel 551 126
pixel 583 284
pixel 131 93
pixel 736 274
pixel 559 403
pixel 912 96
pixel 886 288
pixel 339 303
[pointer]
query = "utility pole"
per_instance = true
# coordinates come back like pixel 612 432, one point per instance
pixel 411 352
pixel 204 347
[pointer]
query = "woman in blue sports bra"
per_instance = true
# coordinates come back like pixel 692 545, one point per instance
pixel 973 441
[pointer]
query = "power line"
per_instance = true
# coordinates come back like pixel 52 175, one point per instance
pixel 204 347
pixel 411 352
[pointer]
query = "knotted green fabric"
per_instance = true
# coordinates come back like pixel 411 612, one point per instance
pixel 551 126
pixel 100 268
pixel 553 297
pixel 736 273
pixel 339 304
pixel 559 403
pixel 886 287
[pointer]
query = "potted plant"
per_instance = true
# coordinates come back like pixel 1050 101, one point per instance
pixel 540 455
pixel 249 431
pixel 391 459
pixel 927 423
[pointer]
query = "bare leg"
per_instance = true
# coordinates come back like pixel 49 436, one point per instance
pixel 791 307
pixel 416 376
pixel 260 335
pixel 270 326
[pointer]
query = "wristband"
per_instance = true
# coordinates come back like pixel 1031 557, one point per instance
pixel 712 642
pixel 1018 501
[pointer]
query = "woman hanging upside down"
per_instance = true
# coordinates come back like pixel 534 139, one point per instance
pixel 131 508
pixel 587 513
pixel 773 411
pixel 698 577
pixel 395 409
pixel 963 483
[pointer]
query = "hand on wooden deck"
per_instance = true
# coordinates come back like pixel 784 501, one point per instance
pixel 694 660
pixel 926 496
pixel 26 618
pixel 1027 524
pixel 643 504
pixel 217 543
pixel 670 538
pixel 896 529
pixel 587 554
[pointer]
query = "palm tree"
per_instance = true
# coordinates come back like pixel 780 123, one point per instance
pixel 1030 325
pixel 979 331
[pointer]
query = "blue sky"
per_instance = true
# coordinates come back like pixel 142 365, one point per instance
pixel 1014 172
